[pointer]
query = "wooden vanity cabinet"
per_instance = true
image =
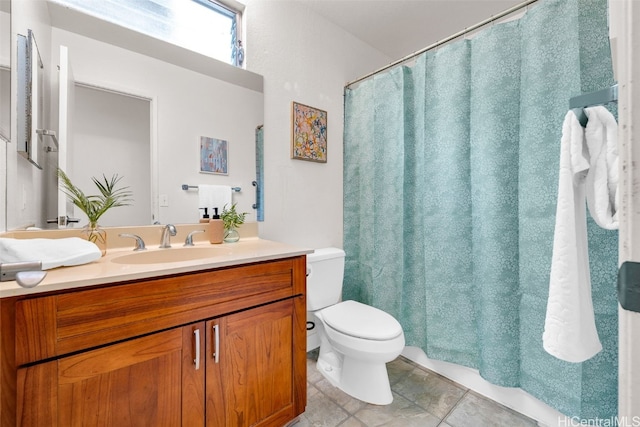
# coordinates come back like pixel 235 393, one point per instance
pixel 223 362
pixel 251 368
pixel 141 382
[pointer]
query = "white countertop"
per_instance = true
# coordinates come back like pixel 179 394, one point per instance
pixel 106 270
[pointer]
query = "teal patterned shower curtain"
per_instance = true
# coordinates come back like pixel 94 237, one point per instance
pixel 450 188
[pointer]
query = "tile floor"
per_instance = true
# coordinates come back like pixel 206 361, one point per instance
pixel 422 398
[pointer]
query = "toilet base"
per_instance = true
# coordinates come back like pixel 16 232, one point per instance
pixel 368 382
pixel 330 366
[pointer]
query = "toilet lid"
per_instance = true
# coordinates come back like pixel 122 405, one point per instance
pixel 361 321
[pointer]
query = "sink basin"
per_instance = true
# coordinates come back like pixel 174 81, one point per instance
pixel 162 256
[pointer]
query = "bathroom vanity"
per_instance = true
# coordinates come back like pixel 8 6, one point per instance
pixel 219 341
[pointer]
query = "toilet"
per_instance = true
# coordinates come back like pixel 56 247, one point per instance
pixel 356 340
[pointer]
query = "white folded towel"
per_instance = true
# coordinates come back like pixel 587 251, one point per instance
pixel 601 135
pixel 570 331
pixel 214 196
pixel 52 252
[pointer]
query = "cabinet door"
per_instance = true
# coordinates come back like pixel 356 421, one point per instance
pixel 257 365
pixel 149 381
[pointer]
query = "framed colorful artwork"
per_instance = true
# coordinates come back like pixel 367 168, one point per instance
pixel 214 156
pixel 309 133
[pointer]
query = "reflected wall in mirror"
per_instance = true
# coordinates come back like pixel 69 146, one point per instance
pixel 112 134
pixel 182 96
pixel 5 70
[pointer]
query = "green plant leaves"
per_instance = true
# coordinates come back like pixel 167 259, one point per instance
pixel 94 206
pixel 231 218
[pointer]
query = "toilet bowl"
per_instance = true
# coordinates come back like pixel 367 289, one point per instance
pixel 356 340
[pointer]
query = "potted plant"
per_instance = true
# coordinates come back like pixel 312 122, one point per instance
pixel 232 220
pixel 94 206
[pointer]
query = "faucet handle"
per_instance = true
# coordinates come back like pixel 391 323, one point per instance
pixel 139 242
pixel 189 240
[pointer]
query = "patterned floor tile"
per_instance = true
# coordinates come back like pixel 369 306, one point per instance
pixel 321 411
pixel 350 404
pixel 400 413
pixel 399 369
pixel 313 375
pixel 432 392
pixel 352 422
pixel 480 412
pixel 421 399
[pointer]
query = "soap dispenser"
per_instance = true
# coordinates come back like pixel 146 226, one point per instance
pixel 216 228
pixel 205 217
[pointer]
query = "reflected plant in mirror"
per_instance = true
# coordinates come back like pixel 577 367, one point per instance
pixel 232 220
pixel 94 206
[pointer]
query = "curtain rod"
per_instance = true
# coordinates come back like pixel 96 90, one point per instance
pixel 448 39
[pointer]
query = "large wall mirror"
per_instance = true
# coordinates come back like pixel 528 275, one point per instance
pixel 124 103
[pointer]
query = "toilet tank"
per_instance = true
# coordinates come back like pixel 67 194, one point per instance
pixel 325 270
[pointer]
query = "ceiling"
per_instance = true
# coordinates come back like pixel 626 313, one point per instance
pixel 401 27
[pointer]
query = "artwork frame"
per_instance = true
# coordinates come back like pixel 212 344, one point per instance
pixel 214 156
pixel 308 133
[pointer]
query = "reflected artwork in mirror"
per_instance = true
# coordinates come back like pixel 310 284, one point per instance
pixel 30 78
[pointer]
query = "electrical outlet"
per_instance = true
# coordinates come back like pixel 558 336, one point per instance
pixel 164 200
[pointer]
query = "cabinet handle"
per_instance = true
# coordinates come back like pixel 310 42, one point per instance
pixel 216 340
pixel 196 361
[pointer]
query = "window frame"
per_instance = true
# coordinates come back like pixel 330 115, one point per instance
pixel 226 9
pixel 234 11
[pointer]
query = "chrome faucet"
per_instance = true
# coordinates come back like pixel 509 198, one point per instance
pixel 189 240
pixel 139 242
pixel 168 231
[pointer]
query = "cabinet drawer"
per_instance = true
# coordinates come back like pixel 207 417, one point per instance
pixel 59 324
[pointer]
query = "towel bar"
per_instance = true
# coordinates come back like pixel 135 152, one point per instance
pixel 186 187
pixel 9 270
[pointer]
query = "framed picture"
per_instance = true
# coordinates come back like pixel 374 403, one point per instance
pixel 309 133
pixel 214 156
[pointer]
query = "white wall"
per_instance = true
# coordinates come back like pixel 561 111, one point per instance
pixel 306 59
pixel 105 125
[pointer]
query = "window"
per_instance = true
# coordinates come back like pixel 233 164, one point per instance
pixel 204 26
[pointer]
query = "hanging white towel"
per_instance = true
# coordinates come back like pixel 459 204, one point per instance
pixel 570 331
pixel 601 184
pixel 214 196
pixel 52 252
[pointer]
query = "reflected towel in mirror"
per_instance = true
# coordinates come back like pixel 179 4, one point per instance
pixel 214 196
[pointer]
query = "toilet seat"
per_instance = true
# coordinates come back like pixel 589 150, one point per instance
pixel 361 321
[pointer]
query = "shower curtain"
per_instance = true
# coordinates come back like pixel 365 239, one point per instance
pixel 450 188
